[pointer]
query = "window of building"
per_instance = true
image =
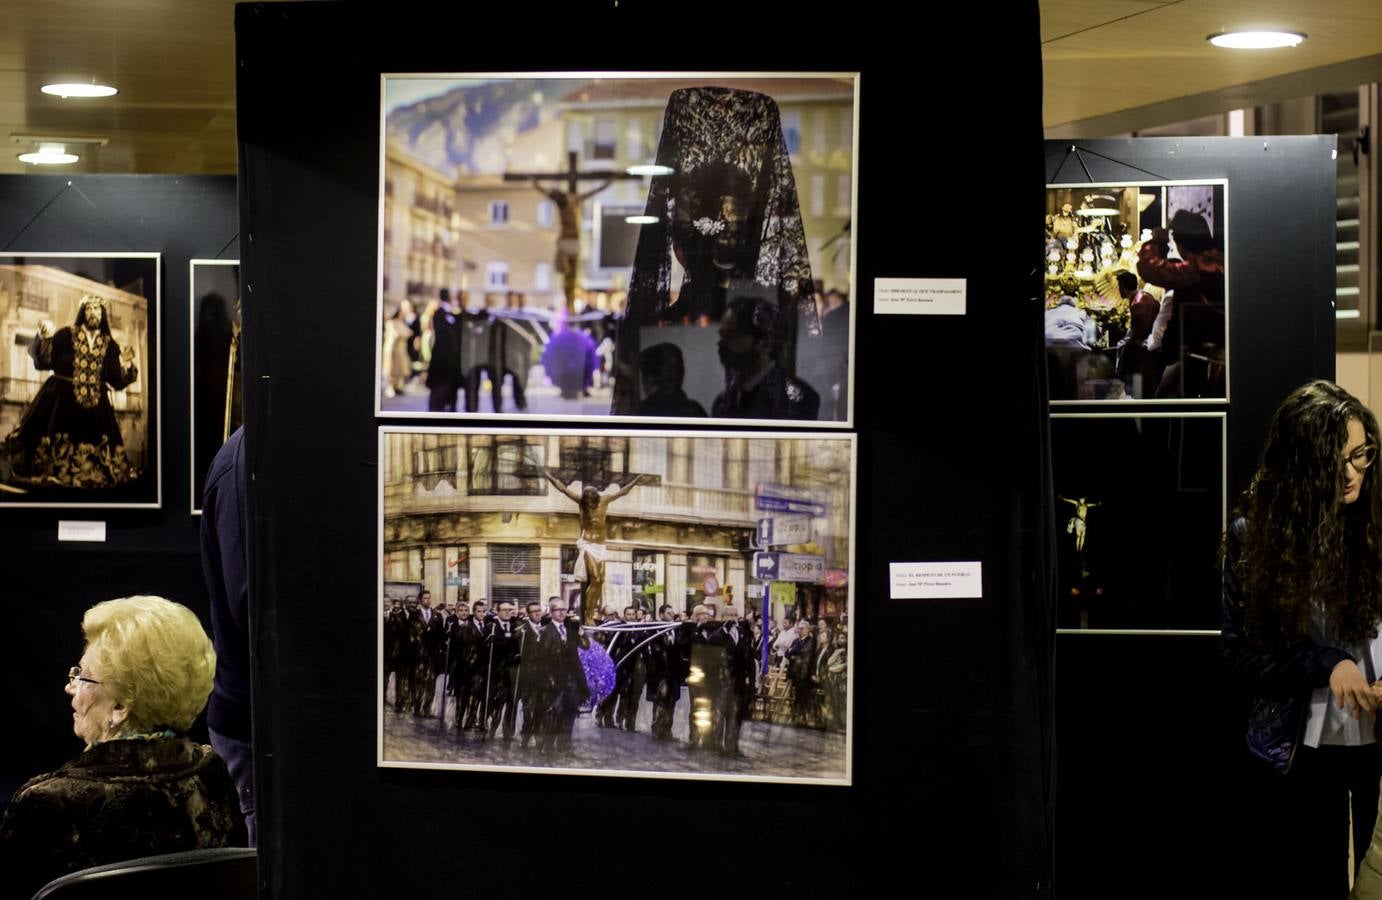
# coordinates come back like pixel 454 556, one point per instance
pixel 649 580
pixel 605 145
pixel 542 276
pixel 817 195
pixel 546 213
pixel 505 465
pixel 843 192
pixel 515 574
pixel 497 275
pixel 791 130
pixel 499 212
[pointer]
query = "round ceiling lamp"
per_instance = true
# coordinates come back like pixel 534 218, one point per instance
pixel 1256 40
pixel 49 155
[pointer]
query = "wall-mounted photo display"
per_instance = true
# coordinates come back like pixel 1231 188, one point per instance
pixel 217 373
pixel 79 380
pixel 1137 291
pixel 641 604
pixel 569 246
pixel 1140 508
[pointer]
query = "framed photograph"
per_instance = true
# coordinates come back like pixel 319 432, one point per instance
pixel 647 246
pixel 1136 281
pixel 649 604
pixel 79 382
pixel 217 372
pixel 1140 509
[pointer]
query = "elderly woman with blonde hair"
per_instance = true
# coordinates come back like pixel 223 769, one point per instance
pixel 141 787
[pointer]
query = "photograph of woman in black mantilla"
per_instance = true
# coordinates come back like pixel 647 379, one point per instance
pixel 1302 602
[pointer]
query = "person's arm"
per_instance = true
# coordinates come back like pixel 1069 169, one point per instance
pixel 593 191
pixel 1157 268
pixel 614 491
pixel 119 368
pixel 557 483
pixel 41 350
pixel 1163 318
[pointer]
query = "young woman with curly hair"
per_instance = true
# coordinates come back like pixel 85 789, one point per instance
pixel 1302 603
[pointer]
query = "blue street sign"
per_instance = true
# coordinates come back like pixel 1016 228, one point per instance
pixel 785 499
pixel 765 566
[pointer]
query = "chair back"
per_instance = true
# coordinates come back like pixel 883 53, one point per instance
pixel 217 873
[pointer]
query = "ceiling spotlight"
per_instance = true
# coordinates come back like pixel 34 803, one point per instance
pixel 79 89
pixel 49 155
pixel 649 170
pixel 1256 40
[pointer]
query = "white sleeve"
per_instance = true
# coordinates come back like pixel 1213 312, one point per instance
pixel 1163 318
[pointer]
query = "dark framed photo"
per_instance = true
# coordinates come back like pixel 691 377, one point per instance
pixel 217 406
pixel 1136 279
pixel 1140 510
pixel 643 604
pixel 647 246
pixel 79 382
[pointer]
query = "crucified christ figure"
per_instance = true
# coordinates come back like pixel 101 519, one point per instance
pixel 1078 523
pixel 568 259
pixel 590 547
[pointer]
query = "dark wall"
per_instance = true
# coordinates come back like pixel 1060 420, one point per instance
pixel 1151 765
pixel 949 740
pixel 47 584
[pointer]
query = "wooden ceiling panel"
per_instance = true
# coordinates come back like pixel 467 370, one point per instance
pixel 1163 54
pixel 1064 17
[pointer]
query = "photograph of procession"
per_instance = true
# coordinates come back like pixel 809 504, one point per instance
pixel 1140 507
pixel 79 381
pixel 641 604
pixel 217 369
pixel 1137 291
pixel 641 245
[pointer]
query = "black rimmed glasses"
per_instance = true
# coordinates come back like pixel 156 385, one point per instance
pixel 74 675
pixel 1361 458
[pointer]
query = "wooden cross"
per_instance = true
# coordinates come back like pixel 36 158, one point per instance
pixel 568 203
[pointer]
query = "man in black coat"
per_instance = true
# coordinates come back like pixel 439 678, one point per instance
pixel 428 633
pixel 740 678
pixel 561 641
pixel 667 658
pixel 472 668
pixel 530 675
pixel 604 713
pixel 395 631
pixel 444 376
pixel 503 647
pixel 630 674
pixel 706 680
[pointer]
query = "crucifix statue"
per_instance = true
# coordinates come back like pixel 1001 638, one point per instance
pixel 568 203
pixel 583 485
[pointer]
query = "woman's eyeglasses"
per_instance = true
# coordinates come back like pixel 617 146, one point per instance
pixel 74 675
pixel 1361 458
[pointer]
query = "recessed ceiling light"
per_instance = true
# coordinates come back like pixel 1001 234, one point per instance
pixel 79 89
pixel 648 170
pixel 1256 40
pixel 49 155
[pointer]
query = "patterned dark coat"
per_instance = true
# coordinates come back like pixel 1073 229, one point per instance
pixel 117 800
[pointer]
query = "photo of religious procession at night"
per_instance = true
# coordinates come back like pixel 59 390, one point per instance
pixel 649 604
pixel 1136 291
pixel 651 247
pixel 77 386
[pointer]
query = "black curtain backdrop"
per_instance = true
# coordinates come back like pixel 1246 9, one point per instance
pixel 48 585
pixel 1153 779
pixel 951 733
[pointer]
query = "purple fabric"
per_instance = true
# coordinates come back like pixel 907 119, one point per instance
pixel 599 671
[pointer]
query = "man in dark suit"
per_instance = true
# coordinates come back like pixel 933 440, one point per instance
pixel 434 648
pixel 503 641
pixel 741 676
pixel 604 713
pixel 395 630
pixel 630 674
pixel 444 376
pixel 666 658
pixel 530 676
pixel 561 641
pixel 473 672
pixel 706 679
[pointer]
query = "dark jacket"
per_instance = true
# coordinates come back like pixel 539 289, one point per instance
pixel 226 565
pixel 1280 682
pixel 117 800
